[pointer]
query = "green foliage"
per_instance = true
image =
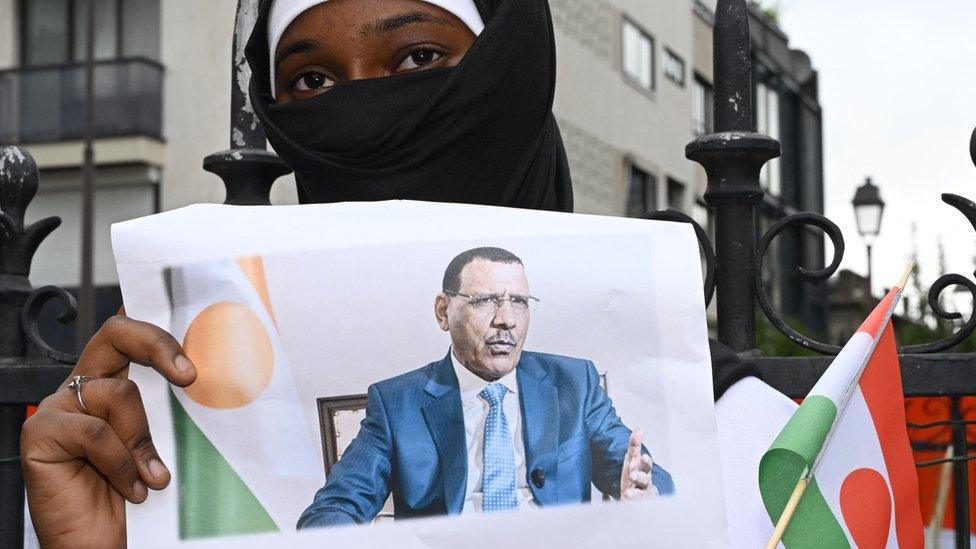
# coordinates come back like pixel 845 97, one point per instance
pixel 915 333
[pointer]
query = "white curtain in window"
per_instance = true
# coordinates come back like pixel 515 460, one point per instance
pixel 698 108
pixel 774 165
pixel 767 122
pixel 674 67
pixel 637 55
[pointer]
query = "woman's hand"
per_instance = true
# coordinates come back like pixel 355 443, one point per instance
pixel 79 468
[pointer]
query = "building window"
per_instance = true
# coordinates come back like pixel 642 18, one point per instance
pixel 703 98
pixel 44 31
pixel 638 55
pixel 767 122
pixel 140 28
pixel 106 29
pixel 699 212
pixel 676 195
pixel 54 30
pixel 674 67
pixel 642 195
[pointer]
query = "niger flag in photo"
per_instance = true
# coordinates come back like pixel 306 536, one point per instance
pixel 242 444
pixel 848 439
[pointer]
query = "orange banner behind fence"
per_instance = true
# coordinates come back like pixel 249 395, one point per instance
pixel 926 410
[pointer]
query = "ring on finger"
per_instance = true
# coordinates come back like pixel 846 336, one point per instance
pixel 76 384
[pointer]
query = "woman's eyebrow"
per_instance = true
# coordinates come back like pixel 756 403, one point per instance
pixel 302 46
pixel 394 22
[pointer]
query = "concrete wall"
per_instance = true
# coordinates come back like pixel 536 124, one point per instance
pixel 605 119
pixel 58 260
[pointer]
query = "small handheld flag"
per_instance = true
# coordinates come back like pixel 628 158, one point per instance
pixel 840 473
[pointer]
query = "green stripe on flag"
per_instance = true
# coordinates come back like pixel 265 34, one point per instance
pixel 214 501
pixel 790 456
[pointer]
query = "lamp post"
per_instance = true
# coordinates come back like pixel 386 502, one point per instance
pixel 86 291
pixel 868 209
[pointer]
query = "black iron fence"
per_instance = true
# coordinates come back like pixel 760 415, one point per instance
pixel 732 157
pixel 46 103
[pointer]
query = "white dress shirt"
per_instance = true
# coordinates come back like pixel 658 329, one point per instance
pixel 475 410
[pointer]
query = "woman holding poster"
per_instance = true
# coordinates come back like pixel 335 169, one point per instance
pixel 439 100
pixel 411 115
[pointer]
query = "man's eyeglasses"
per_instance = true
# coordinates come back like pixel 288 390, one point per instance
pixel 486 303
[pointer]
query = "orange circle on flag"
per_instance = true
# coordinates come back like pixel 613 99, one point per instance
pixel 232 351
pixel 865 501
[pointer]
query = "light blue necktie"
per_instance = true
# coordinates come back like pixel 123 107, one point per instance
pixel 498 488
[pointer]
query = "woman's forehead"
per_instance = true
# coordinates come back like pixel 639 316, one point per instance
pixel 351 19
pixel 284 13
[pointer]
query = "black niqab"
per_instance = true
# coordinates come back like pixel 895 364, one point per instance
pixel 480 133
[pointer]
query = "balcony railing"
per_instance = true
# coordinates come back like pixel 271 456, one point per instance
pixel 39 104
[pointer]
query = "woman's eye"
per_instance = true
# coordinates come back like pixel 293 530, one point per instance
pixel 419 58
pixel 313 81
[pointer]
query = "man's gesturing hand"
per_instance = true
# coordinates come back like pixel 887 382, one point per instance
pixel 80 468
pixel 635 477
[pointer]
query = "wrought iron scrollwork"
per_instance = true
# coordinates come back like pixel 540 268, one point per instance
pixel 957 337
pixel 968 209
pixel 32 310
pixel 704 243
pixel 813 276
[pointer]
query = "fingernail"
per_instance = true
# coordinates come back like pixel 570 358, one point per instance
pixel 139 491
pixel 156 468
pixel 183 364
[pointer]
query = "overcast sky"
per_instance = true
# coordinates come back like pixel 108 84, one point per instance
pixel 898 90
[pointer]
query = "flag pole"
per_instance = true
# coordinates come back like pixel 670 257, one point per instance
pixel 907 273
pixel 791 504
pixel 801 485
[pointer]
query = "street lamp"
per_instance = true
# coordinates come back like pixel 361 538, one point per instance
pixel 868 208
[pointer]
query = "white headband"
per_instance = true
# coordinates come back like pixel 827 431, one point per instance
pixel 283 12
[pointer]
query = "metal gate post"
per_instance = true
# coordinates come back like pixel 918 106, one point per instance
pixel 732 158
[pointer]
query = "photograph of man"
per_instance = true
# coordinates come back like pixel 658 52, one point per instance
pixel 490 427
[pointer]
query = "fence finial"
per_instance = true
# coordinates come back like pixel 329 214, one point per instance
pixel 18 243
pixel 732 158
pixel 733 67
pixel 248 169
pixel 245 130
pixel 18 184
